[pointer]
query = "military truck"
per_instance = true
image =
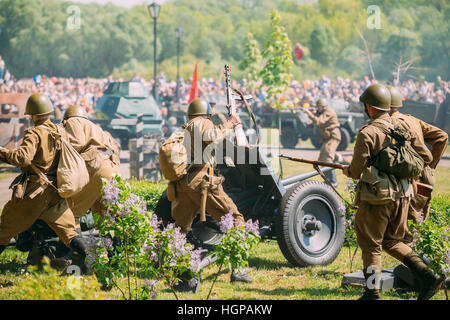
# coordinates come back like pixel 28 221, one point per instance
pixel 432 113
pixel 125 100
pixel 296 125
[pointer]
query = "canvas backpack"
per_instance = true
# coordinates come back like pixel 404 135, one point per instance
pixel 398 158
pixel 72 175
pixel 173 157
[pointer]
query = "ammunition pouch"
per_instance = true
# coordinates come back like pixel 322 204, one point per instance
pixel 19 186
pixel 376 187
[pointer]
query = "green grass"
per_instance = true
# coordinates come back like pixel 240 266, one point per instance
pixel 7 171
pixel 274 279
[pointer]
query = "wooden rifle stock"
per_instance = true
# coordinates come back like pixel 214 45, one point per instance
pixel 317 163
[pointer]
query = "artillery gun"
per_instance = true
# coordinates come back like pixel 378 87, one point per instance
pixel 302 215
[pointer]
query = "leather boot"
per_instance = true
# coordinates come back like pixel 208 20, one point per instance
pixel 80 249
pixel 240 277
pixel 427 281
pixel 370 294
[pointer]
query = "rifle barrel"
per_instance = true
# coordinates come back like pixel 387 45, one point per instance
pixel 313 162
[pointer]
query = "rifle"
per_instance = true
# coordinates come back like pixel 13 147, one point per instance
pixel 241 139
pixel 315 163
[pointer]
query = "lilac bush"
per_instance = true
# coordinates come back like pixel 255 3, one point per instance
pixel 134 253
pixel 431 240
pixel 234 248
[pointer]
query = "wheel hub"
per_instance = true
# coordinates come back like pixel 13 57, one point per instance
pixel 310 225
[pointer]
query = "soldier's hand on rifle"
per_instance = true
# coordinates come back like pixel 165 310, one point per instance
pixel 234 119
pixel 345 171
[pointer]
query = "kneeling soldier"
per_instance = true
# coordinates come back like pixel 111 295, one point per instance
pixel 32 199
pixel 201 132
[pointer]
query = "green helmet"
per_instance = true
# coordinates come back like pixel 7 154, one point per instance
pixel 75 111
pixel 396 97
pixel 377 96
pixel 38 104
pixel 199 107
pixel 322 102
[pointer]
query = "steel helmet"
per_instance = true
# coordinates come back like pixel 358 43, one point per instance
pixel 199 107
pixel 75 111
pixel 38 104
pixel 396 97
pixel 377 96
pixel 322 102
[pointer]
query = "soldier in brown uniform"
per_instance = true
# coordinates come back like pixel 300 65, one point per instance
pixel 383 225
pixel 101 154
pixel 428 134
pixel 32 199
pixel 327 122
pixel 200 134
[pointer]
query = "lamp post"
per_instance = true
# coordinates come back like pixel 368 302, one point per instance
pixel 154 9
pixel 179 32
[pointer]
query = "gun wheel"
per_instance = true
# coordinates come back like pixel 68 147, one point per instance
pixel 310 230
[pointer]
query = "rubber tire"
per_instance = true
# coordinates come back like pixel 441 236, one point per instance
pixel 289 138
pixel 292 250
pixel 317 141
pixel 345 140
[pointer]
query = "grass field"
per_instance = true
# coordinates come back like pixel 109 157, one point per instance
pixel 274 278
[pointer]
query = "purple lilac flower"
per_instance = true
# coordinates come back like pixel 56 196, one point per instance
pixel 349 185
pixel 252 227
pixel 178 240
pixel 227 222
pixel 342 209
pixel 106 242
pixel 151 285
pixel 111 193
pixel 154 222
pixel 196 259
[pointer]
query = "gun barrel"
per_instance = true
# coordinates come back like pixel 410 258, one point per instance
pixel 313 162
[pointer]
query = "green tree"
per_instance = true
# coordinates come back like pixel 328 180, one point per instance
pixel 277 54
pixel 323 44
pixel 252 61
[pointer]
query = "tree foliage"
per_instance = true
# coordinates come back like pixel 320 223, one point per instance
pixel 35 37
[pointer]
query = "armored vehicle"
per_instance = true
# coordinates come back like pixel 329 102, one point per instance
pixel 125 100
pixel 296 125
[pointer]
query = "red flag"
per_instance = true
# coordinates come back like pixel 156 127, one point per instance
pixel 194 89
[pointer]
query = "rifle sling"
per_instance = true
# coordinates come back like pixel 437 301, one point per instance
pixel 250 112
pixel 331 185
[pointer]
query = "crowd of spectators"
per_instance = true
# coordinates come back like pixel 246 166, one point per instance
pixel 65 92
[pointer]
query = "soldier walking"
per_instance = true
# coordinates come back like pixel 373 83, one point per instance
pixel 383 225
pixel 327 122
pixel 32 198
